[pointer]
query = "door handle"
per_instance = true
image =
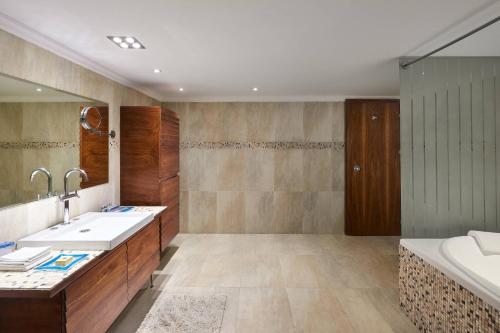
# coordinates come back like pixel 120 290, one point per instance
pixel 356 168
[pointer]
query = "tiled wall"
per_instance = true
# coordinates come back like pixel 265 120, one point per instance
pixel 34 135
pixel 29 62
pixel 261 167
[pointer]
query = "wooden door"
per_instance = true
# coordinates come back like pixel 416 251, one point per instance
pixel 373 191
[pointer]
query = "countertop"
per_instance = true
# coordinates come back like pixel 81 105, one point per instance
pixel 34 283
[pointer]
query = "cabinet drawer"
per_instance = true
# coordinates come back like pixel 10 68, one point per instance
pixel 143 255
pixel 95 300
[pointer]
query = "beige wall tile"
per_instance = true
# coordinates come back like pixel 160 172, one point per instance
pixel 259 170
pixel 230 212
pixel 205 122
pixel 338 134
pixel 318 213
pixel 231 169
pixel 260 121
pixel 288 212
pixel 288 120
pixel 201 169
pixel 259 208
pixel 338 210
pixel 234 122
pixel 318 121
pixel 184 211
pixel 288 170
pixel 338 170
pixel 317 170
pixel 202 212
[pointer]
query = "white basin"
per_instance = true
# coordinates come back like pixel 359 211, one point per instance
pixel 90 231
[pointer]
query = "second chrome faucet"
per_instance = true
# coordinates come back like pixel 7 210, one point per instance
pixel 66 196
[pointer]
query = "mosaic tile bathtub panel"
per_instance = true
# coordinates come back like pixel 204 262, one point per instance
pixel 435 303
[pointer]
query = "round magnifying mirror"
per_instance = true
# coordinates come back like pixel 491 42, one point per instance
pixel 90 119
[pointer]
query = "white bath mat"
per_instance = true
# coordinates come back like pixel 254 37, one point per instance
pixel 185 313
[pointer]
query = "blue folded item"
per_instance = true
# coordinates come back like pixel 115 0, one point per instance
pixel 51 264
pixel 122 209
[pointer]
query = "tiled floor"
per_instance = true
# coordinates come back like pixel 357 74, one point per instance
pixel 284 283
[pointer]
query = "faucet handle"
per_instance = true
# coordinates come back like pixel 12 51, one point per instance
pixel 76 194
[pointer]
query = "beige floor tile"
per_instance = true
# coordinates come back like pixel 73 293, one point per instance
pixel 387 303
pixel 299 271
pixel 317 310
pixel 186 272
pixel 262 271
pixel 334 283
pixel 222 270
pixel 362 314
pixel 264 310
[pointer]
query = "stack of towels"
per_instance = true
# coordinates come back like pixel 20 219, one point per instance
pixel 489 242
pixel 24 259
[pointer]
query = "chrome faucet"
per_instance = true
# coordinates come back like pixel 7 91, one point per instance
pixel 66 196
pixel 49 179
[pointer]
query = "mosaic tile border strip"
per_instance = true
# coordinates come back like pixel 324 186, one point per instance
pixel 39 145
pixel 274 145
pixel 436 303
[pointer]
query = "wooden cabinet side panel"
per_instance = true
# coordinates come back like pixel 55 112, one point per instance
pixel 139 155
pixel 169 226
pixel 96 299
pixel 169 192
pixel 22 315
pixel 169 144
pixel 143 256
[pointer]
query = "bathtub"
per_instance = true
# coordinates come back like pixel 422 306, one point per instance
pixel 466 255
pixel 461 260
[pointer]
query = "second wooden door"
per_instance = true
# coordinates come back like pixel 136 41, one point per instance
pixel 373 193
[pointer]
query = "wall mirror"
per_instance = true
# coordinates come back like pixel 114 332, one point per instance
pixel 40 133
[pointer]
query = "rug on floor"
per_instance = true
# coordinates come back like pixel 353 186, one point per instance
pixel 187 313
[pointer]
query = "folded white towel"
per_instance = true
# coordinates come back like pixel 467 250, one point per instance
pixel 26 254
pixel 489 242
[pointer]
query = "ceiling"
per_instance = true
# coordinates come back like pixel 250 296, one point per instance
pixel 221 49
pixel 14 90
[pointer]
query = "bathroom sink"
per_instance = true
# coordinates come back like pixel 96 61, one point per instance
pixel 90 231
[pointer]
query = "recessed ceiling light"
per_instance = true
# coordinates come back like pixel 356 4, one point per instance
pixel 126 42
pixel 181 89
pixel 157 70
pixel 255 89
pixel 39 89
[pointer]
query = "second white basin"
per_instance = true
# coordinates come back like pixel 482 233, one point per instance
pixel 90 231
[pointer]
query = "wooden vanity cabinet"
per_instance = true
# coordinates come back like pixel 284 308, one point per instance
pixel 143 257
pixel 90 299
pixel 149 163
pixel 96 299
